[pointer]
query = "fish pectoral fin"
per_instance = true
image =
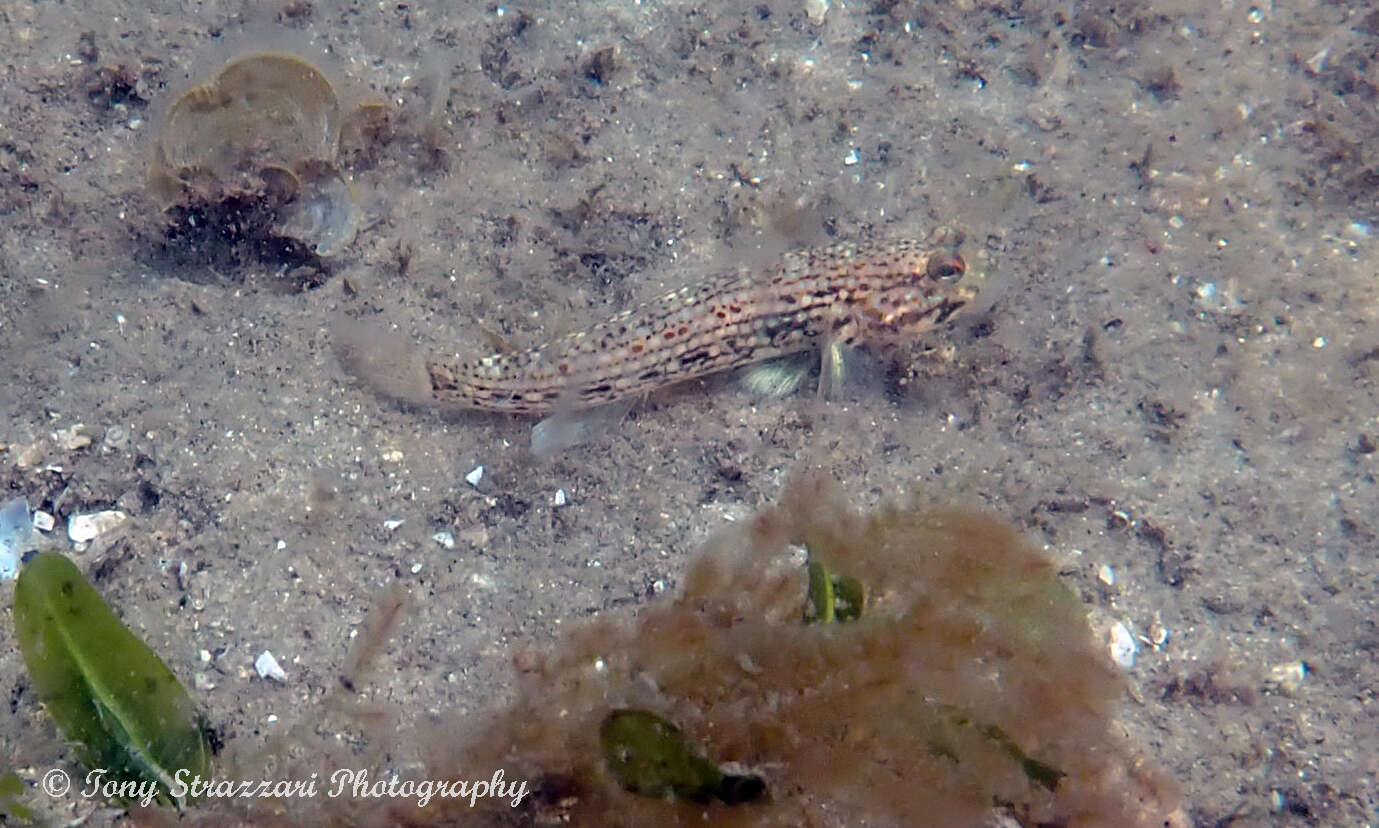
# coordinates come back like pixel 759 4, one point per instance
pixel 567 429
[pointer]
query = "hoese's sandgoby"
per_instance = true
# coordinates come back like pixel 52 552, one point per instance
pixel 864 294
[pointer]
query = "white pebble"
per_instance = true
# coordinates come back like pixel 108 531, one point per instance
pixel 1107 575
pixel 44 521
pixel 267 667
pixel 392 523
pixel 444 539
pixel 475 476
pixel 559 499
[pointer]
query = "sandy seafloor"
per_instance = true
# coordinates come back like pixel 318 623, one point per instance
pixel 1172 377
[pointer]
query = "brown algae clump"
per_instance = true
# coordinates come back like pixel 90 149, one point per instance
pixel 265 129
pixel 967 680
pixel 924 667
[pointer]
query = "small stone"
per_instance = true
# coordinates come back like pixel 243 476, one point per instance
pixel 445 539
pixel 559 499
pixel 474 476
pixel 44 521
pixel 392 523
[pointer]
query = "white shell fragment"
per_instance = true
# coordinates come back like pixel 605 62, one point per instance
pixel 15 533
pixel 324 215
pixel 267 667
pixel 74 437
pixel 445 539
pixel 88 527
pixel 1123 645
pixel 474 476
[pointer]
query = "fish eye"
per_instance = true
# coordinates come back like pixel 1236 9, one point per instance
pixel 945 267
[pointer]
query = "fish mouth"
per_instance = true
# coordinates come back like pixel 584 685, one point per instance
pixel 946 309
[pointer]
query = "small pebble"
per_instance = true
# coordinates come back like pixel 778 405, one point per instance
pixel 559 499
pixel 445 539
pixel 475 476
pixel 1287 678
pixel 392 523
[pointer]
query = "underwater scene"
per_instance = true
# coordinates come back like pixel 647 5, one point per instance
pixel 634 414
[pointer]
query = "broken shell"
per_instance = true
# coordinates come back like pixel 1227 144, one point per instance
pixel 88 527
pixel 261 139
pixel 323 215
pixel 262 111
pixel 16 536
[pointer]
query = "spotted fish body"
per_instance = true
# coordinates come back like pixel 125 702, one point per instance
pixel 850 294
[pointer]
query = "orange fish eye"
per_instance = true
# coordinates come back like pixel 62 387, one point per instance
pixel 945 267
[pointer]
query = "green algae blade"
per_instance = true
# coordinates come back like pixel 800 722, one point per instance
pixel 833 597
pixel 650 756
pixel 108 692
pixel 820 607
pixel 849 596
